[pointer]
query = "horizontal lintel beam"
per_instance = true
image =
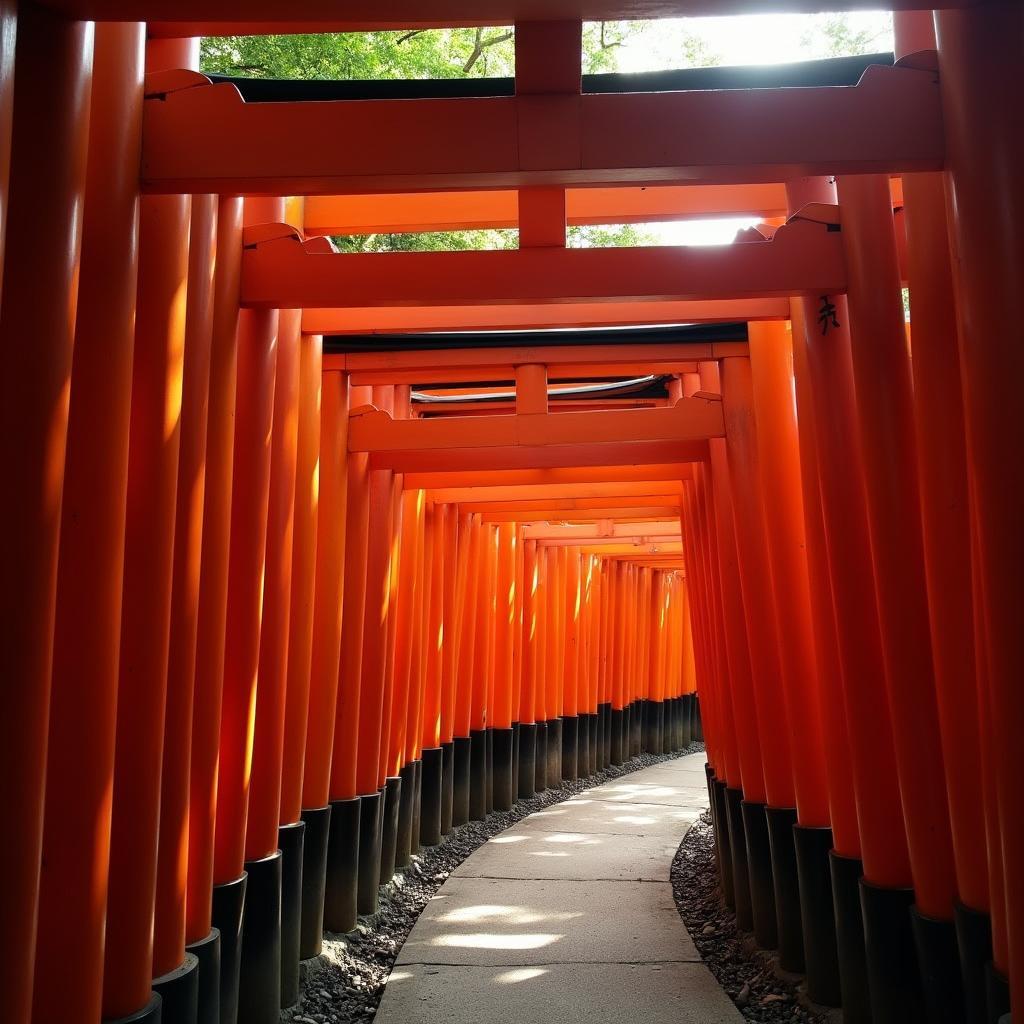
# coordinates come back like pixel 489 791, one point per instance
pixel 536 316
pixel 204 138
pixel 690 419
pixel 804 257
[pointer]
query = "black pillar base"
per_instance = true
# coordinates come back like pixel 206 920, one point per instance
pixel 817 914
pixel 635 739
pixel 447 786
pixel 938 961
pixel 179 993
pixel 697 722
pixel 582 746
pixel 149 1014
pixel 646 725
pixel 738 852
pixel 515 761
pixel 228 913
pixel 618 748
pixel 593 743
pixel 461 771
pixel 291 840
pixel 893 977
pixel 604 757
pixel 259 985
pixel 504 780
pixel 478 776
pixel 687 716
pixel 430 800
pixel 406 799
pixel 341 892
pixel 314 880
pixel 540 778
pixel 721 818
pixel 389 827
pixel 781 822
pixel 570 743
pixel 759 867
pixel 666 725
pixel 997 994
pixel 207 953
pixel 417 805
pixel 853 968
pixel 368 874
pixel 526 784
pixel 974 939
pixel 489 735
pixel 554 753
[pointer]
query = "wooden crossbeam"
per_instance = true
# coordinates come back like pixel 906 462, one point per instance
pixel 690 419
pixel 204 138
pixel 805 257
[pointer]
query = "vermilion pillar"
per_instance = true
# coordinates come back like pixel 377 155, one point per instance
pixel 87 630
pixel 169 937
pixel 47 186
pixel 844 514
pixel 332 742
pixel 145 620
pixel 978 52
pixel 254 407
pixel 268 739
pixel 213 578
pixel 755 579
pixel 304 549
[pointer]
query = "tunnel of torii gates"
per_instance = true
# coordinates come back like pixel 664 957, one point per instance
pixel 310 557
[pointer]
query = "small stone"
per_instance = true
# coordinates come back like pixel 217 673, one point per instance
pixel 743 996
pixel 708 929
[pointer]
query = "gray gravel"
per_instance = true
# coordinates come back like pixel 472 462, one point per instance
pixel 345 983
pixel 750 976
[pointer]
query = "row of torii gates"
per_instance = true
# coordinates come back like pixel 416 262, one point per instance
pixel 308 558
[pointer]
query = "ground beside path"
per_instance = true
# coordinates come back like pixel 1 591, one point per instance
pixel 567 916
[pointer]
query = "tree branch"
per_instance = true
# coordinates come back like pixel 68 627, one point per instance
pixel 409 35
pixel 480 44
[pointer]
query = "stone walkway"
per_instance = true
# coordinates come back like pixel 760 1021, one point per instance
pixel 567 917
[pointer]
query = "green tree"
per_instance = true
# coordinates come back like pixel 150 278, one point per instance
pixel 836 35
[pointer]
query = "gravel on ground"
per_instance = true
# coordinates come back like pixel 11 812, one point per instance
pixel 750 976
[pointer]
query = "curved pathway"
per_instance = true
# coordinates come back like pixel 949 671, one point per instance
pixel 567 916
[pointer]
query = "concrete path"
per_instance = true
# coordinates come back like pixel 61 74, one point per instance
pixel 568 916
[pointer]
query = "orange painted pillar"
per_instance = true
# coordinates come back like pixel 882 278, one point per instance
pixel 844 511
pixel 254 408
pixel 779 456
pixel 505 636
pixel 406 611
pixel 842 802
pixel 332 745
pixel 885 860
pixel 47 187
pixel 438 572
pixel 87 629
pixel 213 576
pixel 268 739
pixel 978 51
pixel 942 462
pixel 755 580
pixel 467 629
pixel 304 552
pixel 169 931
pixel 450 647
pixel 146 611
pixel 945 514
pixel 884 397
